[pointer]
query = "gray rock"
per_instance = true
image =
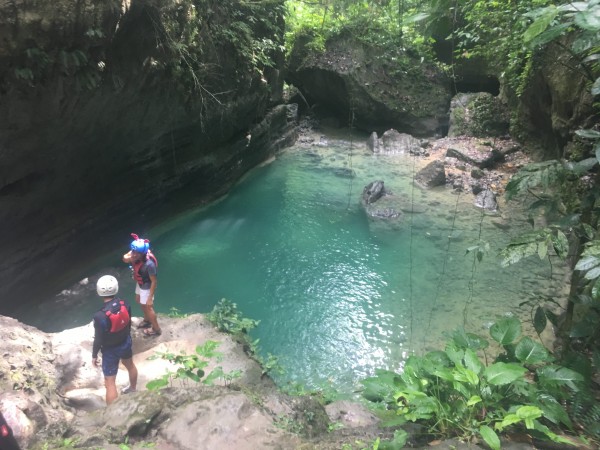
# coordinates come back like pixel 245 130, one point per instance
pixel 432 175
pixel 486 199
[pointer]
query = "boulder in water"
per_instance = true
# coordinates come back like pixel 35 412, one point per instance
pixel 486 199
pixel 373 192
pixel 432 175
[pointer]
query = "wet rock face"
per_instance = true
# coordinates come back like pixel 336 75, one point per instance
pixel 413 99
pixel 478 114
pixel 394 143
pixel 100 122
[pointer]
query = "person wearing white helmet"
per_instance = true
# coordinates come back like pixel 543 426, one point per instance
pixel 112 337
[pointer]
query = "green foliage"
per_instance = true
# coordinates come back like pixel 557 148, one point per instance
pixel 389 25
pixel 227 318
pixel 553 21
pixel 195 35
pixel 176 313
pixel 536 242
pixel 455 394
pixel 191 367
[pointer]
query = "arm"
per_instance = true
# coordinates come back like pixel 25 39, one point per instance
pixel 97 340
pixel 153 283
pixel 127 257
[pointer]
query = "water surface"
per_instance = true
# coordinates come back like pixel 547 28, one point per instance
pixel 337 295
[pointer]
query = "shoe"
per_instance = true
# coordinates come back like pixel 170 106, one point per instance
pixel 128 390
pixel 152 332
pixel 144 324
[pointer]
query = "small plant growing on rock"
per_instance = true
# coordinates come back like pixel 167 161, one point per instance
pixel 227 318
pixel 191 367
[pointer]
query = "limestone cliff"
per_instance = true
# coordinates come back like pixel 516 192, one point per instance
pixel 109 107
pixel 378 90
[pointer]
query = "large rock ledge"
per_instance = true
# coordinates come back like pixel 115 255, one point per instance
pixel 51 392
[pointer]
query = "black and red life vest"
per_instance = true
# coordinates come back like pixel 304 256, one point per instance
pixel 118 315
pixel 137 265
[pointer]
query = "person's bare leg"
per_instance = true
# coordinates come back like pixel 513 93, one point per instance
pixel 111 389
pixel 152 317
pixel 132 371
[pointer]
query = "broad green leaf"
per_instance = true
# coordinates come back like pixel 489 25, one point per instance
pixel 551 435
pixel 587 263
pixel 596 289
pixel 472 362
pixel 542 250
pixel 157 384
pixel 553 410
pixel 465 340
pixel 589 134
pixel 216 373
pixel 531 352
pixel 588 20
pixel 541 23
pixel 596 91
pixel 381 386
pixel 398 442
pixel 561 244
pixel 539 320
pixel 465 375
pixel 558 376
pixel 474 400
pixel 529 412
pixel 444 373
pixel 506 330
pixel 499 374
pixel 490 437
pixel 508 420
pixel 592 274
pixel 549 35
pixel 581 167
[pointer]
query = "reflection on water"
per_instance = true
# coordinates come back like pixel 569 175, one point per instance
pixel 336 294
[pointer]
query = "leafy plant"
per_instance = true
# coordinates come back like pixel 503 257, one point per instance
pixel 455 394
pixel 227 318
pixel 191 367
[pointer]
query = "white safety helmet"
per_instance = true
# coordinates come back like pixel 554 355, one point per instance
pixel 107 286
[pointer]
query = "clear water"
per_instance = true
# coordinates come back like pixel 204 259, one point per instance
pixel 337 295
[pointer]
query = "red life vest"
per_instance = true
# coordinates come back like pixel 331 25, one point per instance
pixel 120 319
pixel 136 265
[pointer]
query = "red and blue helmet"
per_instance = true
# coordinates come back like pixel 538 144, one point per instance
pixel 139 245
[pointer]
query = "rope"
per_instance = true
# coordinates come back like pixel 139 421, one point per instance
pixel 473 272
pixel 410 253
pixel 442 275
pixel 351 122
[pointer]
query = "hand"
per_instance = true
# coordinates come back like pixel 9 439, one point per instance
pixel 95 362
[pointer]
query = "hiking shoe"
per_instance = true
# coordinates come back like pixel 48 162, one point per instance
pixel 128 390
pixel 144 324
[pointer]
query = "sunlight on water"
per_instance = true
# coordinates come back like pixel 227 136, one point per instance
pixel 338 295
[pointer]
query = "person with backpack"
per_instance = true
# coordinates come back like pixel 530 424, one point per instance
pixel 7 438
pixel 144 265
pixel 112 337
